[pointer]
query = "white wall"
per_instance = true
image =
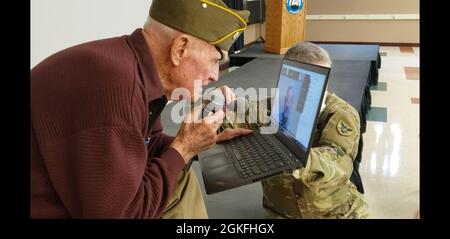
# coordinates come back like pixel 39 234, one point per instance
pixel 58 24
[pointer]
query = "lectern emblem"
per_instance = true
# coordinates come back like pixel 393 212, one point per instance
pixel 294 6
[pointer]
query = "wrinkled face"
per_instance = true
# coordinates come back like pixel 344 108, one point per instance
pixel 200 63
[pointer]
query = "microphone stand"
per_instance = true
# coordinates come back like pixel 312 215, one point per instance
pixel 260 39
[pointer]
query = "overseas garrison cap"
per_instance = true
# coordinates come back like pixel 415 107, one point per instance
pixel 210 20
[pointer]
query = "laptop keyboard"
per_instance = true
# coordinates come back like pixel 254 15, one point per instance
pixel 256 155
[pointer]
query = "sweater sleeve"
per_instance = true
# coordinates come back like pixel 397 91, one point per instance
pixel 106 174
pixel 159 142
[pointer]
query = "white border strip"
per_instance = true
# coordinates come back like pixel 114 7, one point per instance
pixel 365 17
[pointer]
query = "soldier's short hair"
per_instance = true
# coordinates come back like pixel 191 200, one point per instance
pixel 308 52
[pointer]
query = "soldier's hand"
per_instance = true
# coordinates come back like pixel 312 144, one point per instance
pixel 196 134
pixel 228 134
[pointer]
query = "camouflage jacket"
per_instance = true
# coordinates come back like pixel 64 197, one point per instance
pixel 322 188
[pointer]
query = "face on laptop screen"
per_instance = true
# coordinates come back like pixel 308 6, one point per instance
pixel 300 93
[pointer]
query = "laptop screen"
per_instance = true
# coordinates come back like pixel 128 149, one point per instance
pixel 300 92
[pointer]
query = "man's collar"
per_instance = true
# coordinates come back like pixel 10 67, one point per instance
pixel 150 78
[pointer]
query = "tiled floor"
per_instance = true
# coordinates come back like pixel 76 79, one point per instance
pixel 381 86
pixel 415 100
pixel 412 73
pixel 406 49
pixel 390 165
pixel 378 114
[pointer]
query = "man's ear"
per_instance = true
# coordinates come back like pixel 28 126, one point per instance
pixel 179 48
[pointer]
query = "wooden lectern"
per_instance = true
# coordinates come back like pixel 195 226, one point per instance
pixel 283 28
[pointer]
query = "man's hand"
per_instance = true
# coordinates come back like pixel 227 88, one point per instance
pixel 228 134
pixel 197 135
pixel 228 94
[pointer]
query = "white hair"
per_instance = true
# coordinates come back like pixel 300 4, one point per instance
pixel 165 33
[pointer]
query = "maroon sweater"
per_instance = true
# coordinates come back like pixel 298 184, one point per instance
pixel 89 118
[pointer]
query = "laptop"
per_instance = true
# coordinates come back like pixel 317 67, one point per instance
pixel 252 158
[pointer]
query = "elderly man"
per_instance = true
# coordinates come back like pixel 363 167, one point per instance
pixel 98 150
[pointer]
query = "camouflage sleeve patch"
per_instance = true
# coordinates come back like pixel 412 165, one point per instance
pixel 342 130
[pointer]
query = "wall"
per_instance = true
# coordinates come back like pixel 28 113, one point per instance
pixel 382 31
pixel 58 24
pixel 389 31
pixel 362 6
pixel 253 32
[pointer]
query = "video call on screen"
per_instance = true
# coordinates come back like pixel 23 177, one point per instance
pixel 300 91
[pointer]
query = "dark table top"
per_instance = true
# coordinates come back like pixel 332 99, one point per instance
pixel 348 79
pixel 352 52
pixel 336 51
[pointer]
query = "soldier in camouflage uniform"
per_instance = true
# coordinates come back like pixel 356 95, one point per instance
pixel 322 188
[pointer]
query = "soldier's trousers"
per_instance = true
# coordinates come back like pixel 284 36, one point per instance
pixel 187 201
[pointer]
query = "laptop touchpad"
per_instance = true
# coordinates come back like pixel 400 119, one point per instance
pixel 221 178
pixel 215 161
pixel 217 149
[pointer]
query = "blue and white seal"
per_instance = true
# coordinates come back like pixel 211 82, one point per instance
pixel 294 6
